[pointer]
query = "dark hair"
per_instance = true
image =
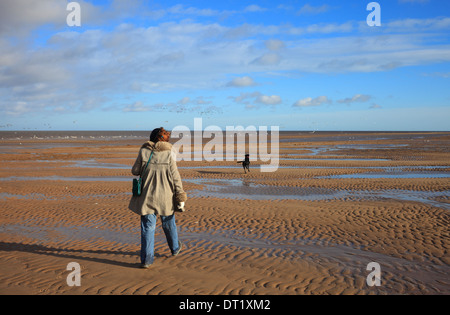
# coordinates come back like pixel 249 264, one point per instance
pixel 154 135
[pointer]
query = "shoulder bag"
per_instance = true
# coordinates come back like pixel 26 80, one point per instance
pixel 137 182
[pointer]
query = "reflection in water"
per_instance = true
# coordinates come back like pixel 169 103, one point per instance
pixel 244 189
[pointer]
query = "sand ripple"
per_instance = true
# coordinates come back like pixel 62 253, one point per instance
pixel 310 228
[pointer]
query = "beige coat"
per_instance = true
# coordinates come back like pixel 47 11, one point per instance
pixel 162 187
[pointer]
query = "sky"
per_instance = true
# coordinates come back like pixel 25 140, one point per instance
pixel 297 65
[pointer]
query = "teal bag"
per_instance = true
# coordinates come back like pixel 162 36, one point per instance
pixel 137 182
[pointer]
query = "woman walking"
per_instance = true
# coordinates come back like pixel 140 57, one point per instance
pixel 162 193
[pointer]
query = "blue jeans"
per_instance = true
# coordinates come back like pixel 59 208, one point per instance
pixel 148 226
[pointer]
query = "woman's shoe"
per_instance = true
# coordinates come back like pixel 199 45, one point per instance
pixel 180 246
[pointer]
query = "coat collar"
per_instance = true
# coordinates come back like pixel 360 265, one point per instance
pixel 158 147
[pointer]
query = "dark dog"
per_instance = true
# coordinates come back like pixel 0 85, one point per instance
pixel 246 163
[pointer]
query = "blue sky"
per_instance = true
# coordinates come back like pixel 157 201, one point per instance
pixel 299 65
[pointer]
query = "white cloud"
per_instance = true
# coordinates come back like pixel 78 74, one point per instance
pixel 329 28
pixel 198 105
pixel 86 68
pixel 251 99
pixel 241 82
pixel 243 97
pixel 137 107
pixel 170 58
pixel 19 17
pixel 309 9
pixel 18 108
pixel 269 99
pixel 422 25
pixel 200 100
pixel 309 101
pixel 182 10
pixel 254 8
pixel 274 44
pixel 269 59
pixel 184 100
pixel 358 98
pixel 444 75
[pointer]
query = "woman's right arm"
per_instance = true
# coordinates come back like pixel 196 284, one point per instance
pixel 180 195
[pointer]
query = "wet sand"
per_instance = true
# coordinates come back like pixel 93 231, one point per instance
pixel 338 202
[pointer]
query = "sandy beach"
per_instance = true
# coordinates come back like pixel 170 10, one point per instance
pixel 338 202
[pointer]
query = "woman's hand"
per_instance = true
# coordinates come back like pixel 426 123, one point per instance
pixel 180 207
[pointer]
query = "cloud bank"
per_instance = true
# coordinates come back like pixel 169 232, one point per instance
pixel 115 63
